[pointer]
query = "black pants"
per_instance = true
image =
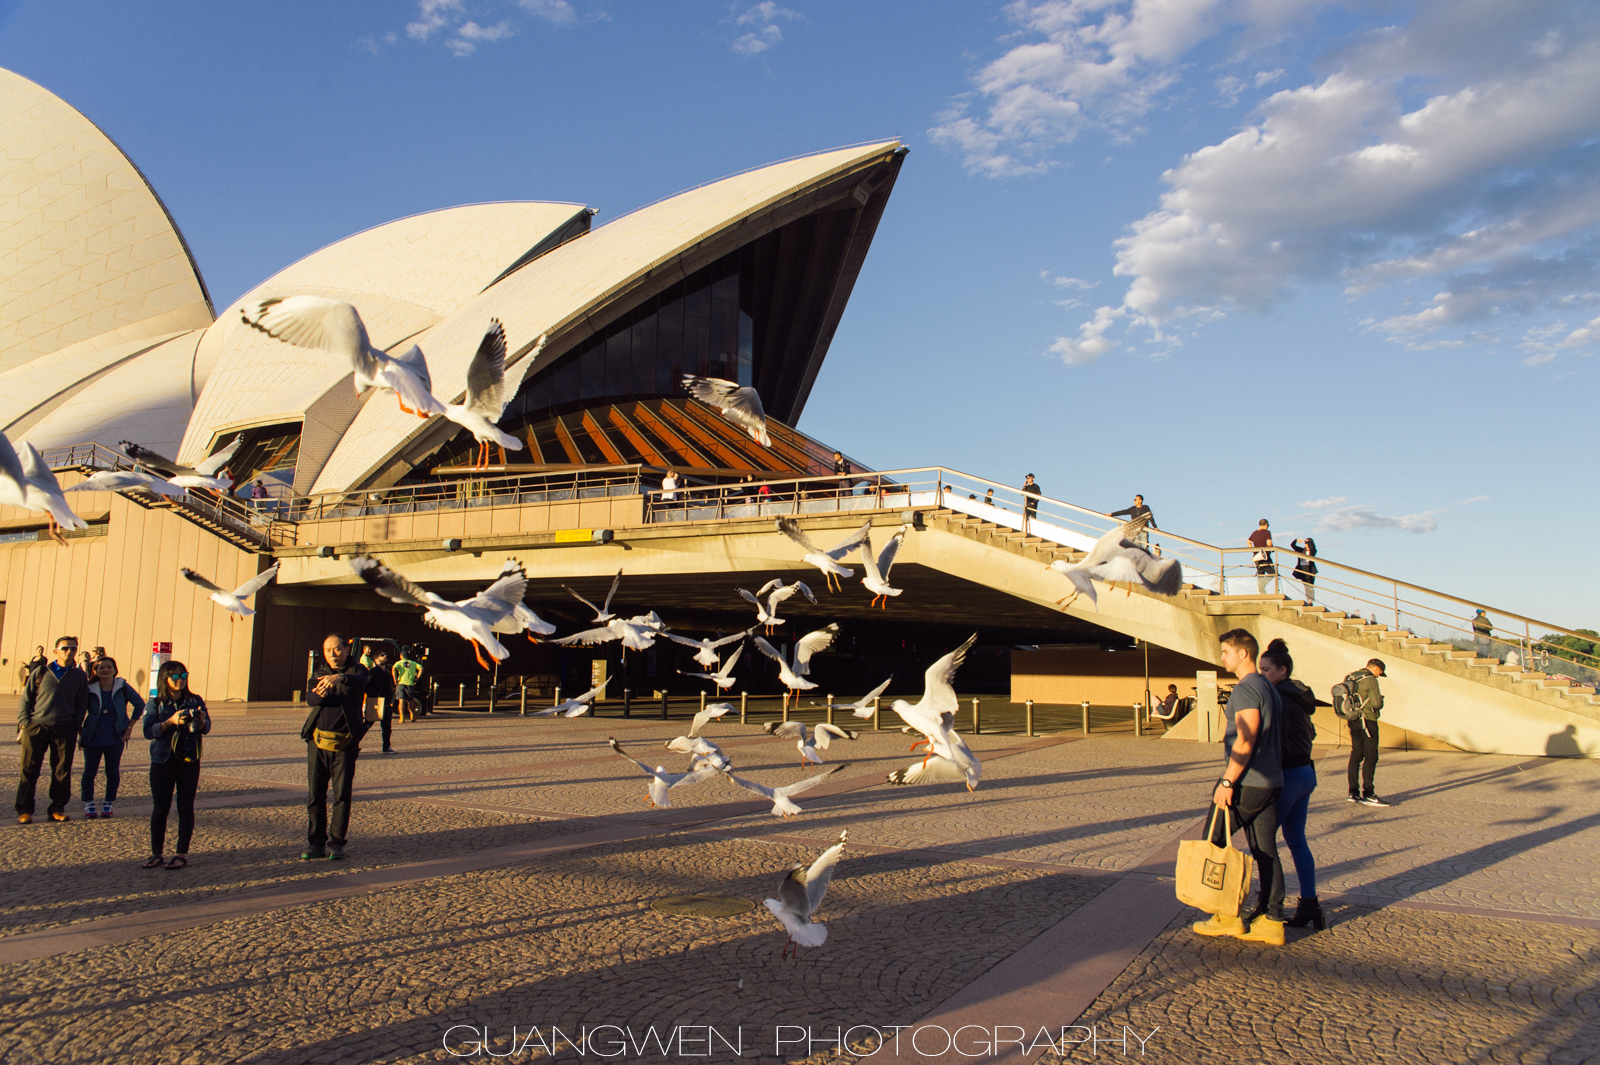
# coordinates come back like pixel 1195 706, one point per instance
pixel 386 721
pixel 91 767
pixel 36 740
pixel 1363 755
pixel 1255 810
pixel 325 769
pixel 165 779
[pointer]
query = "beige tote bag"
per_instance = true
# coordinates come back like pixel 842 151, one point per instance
pixel 1211 878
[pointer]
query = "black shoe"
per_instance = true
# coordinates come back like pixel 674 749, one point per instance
pixel 1373 800
pixel 311 854
pixel 1308 912
pixel 336 853
pixel 1353 797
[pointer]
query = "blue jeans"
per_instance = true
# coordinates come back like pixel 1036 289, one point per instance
pixel 1293 802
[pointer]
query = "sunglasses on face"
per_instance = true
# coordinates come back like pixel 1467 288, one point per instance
pixel 177 676
pixel 67 647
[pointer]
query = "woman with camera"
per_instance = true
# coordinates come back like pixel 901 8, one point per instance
pixel 113 708
pixel 174 721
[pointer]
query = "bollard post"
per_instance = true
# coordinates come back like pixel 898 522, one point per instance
pixel 702 702
pixel 523 710
pixel 877 710
pixel 461 695
pixel 494 689
pixel 830 709
pixel 976 727
pixel 1138 722
pixel 1086 717
pixel 785 706
pixel 744 708
pixel 627 702
pixel 1029 705
pixel 663 704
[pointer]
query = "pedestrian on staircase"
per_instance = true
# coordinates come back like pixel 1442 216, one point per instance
pixel 1482 632
pixel 1364 732
pixel 1305 569
pixel 1134 513
pixel 1261 540
pixel 1030 500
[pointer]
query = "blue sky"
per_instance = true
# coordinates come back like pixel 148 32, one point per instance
pixel 1333 264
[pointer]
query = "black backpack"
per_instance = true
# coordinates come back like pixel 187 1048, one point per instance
pixel 1346 698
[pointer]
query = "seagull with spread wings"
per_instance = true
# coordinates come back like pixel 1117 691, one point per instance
pixel 740 405
pixel 800 896
pixel 471 619
pixel 792 681
pixel 827 561
pixel 31 484
pixel 128 481
pixel 876 577
pixel 813 643
pixel 948 759
pixel 335 327
pixel 862 707
pixel 1117 556
pixel 723 677
pixel 708 715
pixel 783 804
pixel 808 739
pixel 233 602
pixel 200 475
pixel 521 619
pixel 938 695
pixel 601 614
pixel 779 593
pixel 706 650
pixel 487 393
pixel 661 780
pixel 701 751
pixel 576 706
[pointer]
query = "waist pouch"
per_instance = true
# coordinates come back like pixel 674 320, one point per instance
pixel 332 741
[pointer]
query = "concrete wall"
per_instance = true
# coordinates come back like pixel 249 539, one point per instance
pixel 606 512
pixel 1105 678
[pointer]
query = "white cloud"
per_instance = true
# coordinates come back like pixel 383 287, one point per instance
pixel 1347 519
pixel 469 35
pixel 764 18
pixel 1324 504
pixel 432 15
pixel 555 12
pixel 1067 282
pixel 1091 342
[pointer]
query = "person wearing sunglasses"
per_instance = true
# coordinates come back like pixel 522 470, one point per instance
pixel 174 722
pixel 54 701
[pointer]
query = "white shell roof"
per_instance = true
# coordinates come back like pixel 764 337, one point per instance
pixel 89 255
pixel 572 281
pixel 403 277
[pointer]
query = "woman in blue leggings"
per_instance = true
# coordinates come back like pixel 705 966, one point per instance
pixel 1299 777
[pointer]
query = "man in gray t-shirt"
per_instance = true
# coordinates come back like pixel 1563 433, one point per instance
pixel 1252 776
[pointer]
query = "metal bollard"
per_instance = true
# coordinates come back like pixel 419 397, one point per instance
pixel 877 711
pixel 627 702
pixel 461 695
pixel 744 708
pixel 522 711
pixel 1138 719
pixel 976 728
pixel 1086 717
pixel 1029 706
pixel 830 709
pixel 663 705
pixel 494 689
pixel 786 706
pixel 702 702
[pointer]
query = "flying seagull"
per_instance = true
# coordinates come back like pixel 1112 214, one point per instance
pixel 741 406
pixel 948 759
pixel 661 780
pixel 938 695
pixel 779 593
pixel 862 707
pixel 876 577
pixel 1115 557
pixel 800 896
pixel 723 677
pixel 471 619
pixel 601 614
pixel 791 680
pixel 521 619
pixel 486 393
pixel 706 653
pixel 128 480
pixel 809 739
pixel 634 635
pixel 708 715
pixel 41 492
pixel 813 643
pixel 200 475
pixel 827 561
pixel 233 602
pixel 575 707
pixel 783 804
pixel 335 327
pixel 701 751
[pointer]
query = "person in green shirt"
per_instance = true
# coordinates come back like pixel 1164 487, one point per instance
pixel 406 674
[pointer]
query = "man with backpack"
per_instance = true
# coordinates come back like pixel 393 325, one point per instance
pixel 1358 700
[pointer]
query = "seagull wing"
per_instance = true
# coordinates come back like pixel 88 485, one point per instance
pixel 862 707
pixel 936 770
pixel 767 649
pixel 582 600
pixel 194 578
pixel 392 586
pixel 615 581
pixel 311 322
pixel 726 668
pixel 849 543
pixel 939 693
pixel 42 491
pixel 210 466
pixel 791 528
pixel 788 730
pixel 820 875
pixel 813 643
pixel 615 746
pixel 13 482
pixel 589 637
pixel 886 558
pixel 769 586
pixel 486 374
pixel 750 785
pixel 740 404
pixel 507 590
pixel 697 644
pixel 824 734
pixel 694 777
pixel 256 583
pixel 791 790
pixel 800 586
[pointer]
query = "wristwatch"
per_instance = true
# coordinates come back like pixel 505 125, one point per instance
pixel 1225 782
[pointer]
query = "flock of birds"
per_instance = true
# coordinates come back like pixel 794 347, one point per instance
pixel 336 327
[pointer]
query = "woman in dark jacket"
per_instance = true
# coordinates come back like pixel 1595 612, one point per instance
pixel 1305 570
pixel 1299 776
pixel 174 721
pixel 113 708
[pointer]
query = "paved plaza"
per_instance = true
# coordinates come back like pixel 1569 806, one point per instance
pixel 501 874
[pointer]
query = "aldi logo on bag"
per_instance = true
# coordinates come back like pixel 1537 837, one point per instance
pixel 1214 875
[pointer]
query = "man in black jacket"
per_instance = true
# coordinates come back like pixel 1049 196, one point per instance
pixel 54 701
pixel 332 731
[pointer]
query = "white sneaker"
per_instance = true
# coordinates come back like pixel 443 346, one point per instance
pixel 89 813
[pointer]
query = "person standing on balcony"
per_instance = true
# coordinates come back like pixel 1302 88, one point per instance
pixel 1134 513
pixel 1364 733
pixel 1261 540
pixel 1031 491
pixel 1305 569
pixel 842 468
pixel 1482 630
pixel 669 487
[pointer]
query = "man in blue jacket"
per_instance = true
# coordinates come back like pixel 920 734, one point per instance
pixel 332 731
pixel 54 700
